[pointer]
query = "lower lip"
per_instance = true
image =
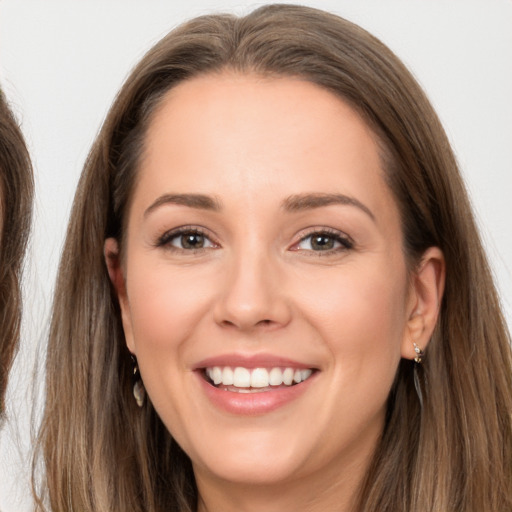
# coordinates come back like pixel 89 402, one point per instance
pixel 253 404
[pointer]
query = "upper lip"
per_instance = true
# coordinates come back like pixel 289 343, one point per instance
pixel 251 361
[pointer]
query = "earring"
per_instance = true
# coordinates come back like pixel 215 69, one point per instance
pixel 139 392
pixel 419 353
pixel 417 362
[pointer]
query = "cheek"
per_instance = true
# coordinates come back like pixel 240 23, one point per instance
pixel 359 312
pixel 164 305
pixel 165 310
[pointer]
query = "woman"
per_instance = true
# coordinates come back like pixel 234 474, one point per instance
pixel 273 295
pixel 16 186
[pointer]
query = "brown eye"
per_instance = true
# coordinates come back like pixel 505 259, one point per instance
pixel 185 240
pixel 191 240
pixel 324 241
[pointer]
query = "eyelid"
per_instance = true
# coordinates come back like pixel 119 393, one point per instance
pixel 165 239
pixel 345 240
pixel 342 238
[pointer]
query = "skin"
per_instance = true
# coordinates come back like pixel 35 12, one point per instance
pixel 259 286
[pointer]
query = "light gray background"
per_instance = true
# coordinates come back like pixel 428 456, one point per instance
pixel 61 64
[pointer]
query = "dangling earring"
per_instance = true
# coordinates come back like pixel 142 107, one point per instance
pixel 139 392
pixel 417 362
pixel 419 353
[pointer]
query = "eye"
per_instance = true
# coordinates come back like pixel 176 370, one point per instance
pixel 324 241
pixel 186 239
pixel 189 240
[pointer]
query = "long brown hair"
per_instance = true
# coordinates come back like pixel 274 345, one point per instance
pixel 16 188
pixel 452 453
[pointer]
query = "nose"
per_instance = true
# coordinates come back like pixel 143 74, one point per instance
pixel 253 295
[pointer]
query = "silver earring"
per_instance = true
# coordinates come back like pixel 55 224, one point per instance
pixel 139 392
pixel 417 362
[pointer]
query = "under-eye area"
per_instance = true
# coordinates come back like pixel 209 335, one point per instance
pixel 249 380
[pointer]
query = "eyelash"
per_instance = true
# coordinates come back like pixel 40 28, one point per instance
pixel 166 239
pixel 345 242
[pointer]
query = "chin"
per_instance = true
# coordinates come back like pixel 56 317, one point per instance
pixel 262 459
pixel 249 470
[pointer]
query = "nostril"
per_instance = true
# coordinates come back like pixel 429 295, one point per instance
pixel 260 322
pixel 265 322
pixel 228 323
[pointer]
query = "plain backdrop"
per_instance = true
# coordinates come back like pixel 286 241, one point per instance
pixel 61 63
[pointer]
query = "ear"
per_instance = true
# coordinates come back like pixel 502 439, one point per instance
pixel 425 296
pixel 118 280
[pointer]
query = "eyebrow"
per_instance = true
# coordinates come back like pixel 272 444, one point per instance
pixel 293 203
pixel 199 201
pixel 309 201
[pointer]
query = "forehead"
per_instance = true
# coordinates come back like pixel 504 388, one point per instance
pixel 240 104
pixel 246 135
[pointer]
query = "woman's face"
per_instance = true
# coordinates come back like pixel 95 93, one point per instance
pixel 263 245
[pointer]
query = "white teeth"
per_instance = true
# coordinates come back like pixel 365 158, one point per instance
pixel 305 374
pixel 227 376
pixel 288 376
pixel 275 377
pixel 259 378
pixel 241 377
pixel 217 375
pixel 245 378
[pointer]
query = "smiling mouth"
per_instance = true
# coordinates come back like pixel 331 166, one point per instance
pixel 255 380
